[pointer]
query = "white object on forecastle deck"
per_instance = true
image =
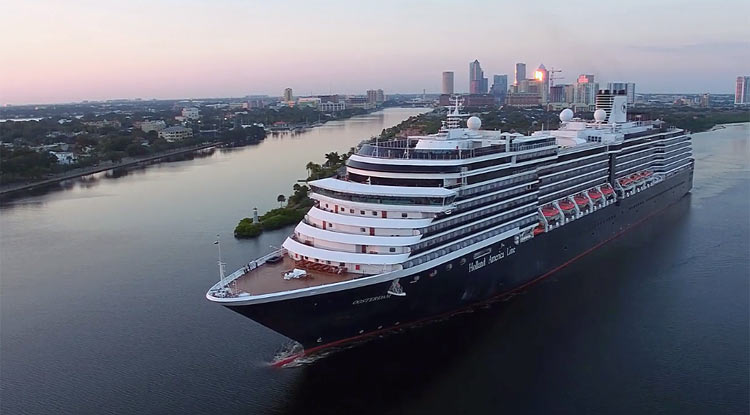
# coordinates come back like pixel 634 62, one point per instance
pixel 295 274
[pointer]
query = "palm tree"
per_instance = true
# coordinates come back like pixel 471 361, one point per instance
pixel 310 166
pixel 281 199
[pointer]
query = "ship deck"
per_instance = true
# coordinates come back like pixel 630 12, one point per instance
pixel 269 278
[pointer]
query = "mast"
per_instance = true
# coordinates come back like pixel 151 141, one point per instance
pixel 220 262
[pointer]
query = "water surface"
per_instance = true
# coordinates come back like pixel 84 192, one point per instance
pixel 102 305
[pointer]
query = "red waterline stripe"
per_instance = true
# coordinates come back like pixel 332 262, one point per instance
pixel 521 287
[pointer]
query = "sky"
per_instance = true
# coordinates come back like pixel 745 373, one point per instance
pixel 55 51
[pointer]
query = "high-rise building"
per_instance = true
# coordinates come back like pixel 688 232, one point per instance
pixel 705 100
pixel 477 81
pixel 448 83
pixel 499 87
pixel 520 73
pixel 628 87
pixel 586 91
pixel 288 95
pixel 375 96
pixel 742 91
pixel 542 76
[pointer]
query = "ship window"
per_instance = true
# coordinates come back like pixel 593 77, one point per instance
pixel 403 215
pixel 351 210
pixel 356 267
pixel 361 212
pixel 374 213
pixel 362 230
pixel 392 249
pixel 326 204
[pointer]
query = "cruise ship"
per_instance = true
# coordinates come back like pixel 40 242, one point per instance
pixel 430 225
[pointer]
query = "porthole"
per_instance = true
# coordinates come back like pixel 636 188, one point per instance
pixel 463 261
pixel 449 267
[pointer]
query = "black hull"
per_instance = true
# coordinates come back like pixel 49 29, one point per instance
pixel 330 318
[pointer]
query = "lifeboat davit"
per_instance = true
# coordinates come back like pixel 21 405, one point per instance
pixel 607 191
pixel 566 205
pixel 550 211
pixel 595 194
pixel 581 200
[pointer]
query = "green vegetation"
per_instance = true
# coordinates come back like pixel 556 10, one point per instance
pixel 24 164
pixel 694 119
pixel 298 203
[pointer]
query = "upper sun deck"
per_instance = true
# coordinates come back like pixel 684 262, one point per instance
pixel 427 148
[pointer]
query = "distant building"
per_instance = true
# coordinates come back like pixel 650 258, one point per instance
pixel 103 123
pixel 288 96
pixel 479 100
pixel 64 157
pixel 628 87
pixel 557 94
pixel 154 125
pixel 448 83
pixel 177 133
pixel 477 81
pixel 705 101
pixel 541 75
pixel 313 102
pixel 524 99
pixel 375 97
pixel 358 102
pixel 520 73
pixel 499 88
pixel 585 94
pixel 330 106
pixel 742 91
pixel 191 113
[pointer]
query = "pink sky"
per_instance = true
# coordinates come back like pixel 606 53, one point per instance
pixel 62 51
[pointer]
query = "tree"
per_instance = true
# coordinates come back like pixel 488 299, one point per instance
pixel 281 199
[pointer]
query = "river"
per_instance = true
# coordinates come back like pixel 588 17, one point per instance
pixel 102 306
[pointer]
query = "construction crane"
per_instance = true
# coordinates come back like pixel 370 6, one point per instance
pixel 552 76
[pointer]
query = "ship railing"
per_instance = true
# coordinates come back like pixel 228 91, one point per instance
pixel 224 289
pixel 399 150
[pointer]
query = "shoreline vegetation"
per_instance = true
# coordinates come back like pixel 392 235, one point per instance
pixel 40 152
pixel 506 119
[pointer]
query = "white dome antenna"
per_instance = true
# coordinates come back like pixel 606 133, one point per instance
pixel 566 115
pixel 600 115
pixel 474 123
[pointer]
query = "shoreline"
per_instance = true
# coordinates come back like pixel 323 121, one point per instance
pixel 12 189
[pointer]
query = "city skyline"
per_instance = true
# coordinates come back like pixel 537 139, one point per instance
pixel 84 50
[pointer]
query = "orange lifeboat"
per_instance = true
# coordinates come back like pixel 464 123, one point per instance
pixel 607 191
pixel 581 200
pixel 539 229
pixel 550 211
pixel 566 205
pixel 595 194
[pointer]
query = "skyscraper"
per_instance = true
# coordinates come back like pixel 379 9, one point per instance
pixel 541 75
pixel 477 81
pixel 448 83
pixel 742 91
pixel 520 74
pixel 586 90
pixel 499 87
pixel 288 94
pixel 628 87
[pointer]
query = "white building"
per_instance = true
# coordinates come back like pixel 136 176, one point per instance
pixel 172 134
pixel 191 113
pixel 332 106
pixel 742 91
pixel 313 102
pixel 64 157
pixel 154 125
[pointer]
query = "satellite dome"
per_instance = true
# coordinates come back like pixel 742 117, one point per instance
pixel 566 115
pixel 600 115
pixel 474 123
